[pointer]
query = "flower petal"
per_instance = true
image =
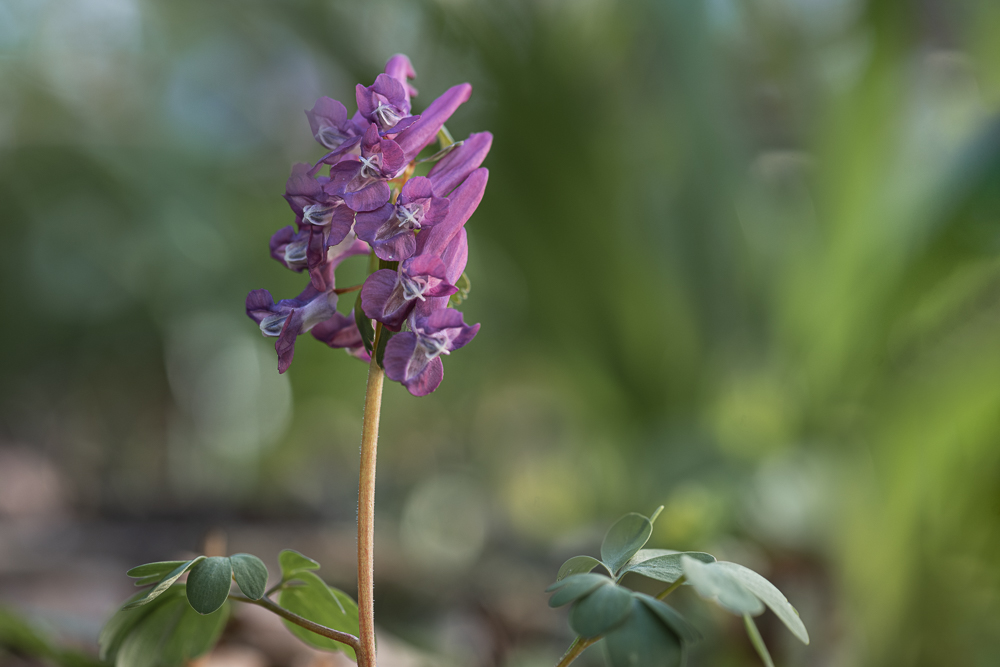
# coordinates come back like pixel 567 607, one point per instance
pixel 420 134
pixel 457 165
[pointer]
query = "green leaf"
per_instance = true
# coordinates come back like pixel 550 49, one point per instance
pixel 208 584
pixel 164 584
pixel 661 564
pixel 292 561
pixel 148 580
pixel 364 324
pixel 158 570
pixel 642 641
pixel 573 587
pixel 166 633
pixel 769 595
pixel 579 565
pixel 757 640
pixel 118 626
pixel 624 539
pixel 324 605
pixel 250 574
pixel 673 619
pixel 383 340
pixel 715 583
pixel 193 635
pixel 602 610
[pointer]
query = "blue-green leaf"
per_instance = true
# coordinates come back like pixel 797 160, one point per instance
pixel 769 595
pixel 574 587
pixel 292 562
pixel 715 583
pixel 661 564
pixel 250 574
pixel 320 603
pixel 624 539
pixel 164 584
pixel 642 641
pixel 208 584
pixel 601 610
pixel 159 569
pixel 579 565
pixel 671 617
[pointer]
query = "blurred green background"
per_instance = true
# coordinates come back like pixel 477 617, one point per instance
pixel 736 257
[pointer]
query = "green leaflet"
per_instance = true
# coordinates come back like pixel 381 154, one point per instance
pixel 624 539
pixel 579 565
pixel 642 641
pixel 601 610
pixel 250 574
pixel 322 604
pixel 208 584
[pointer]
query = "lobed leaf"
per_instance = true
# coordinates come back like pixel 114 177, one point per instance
pixel 159 569
pixel 574 587
pixel 164 584
pixel 600 611
pixel 579 565
pixel 662 564
pixel 769 594
pixel 292 561
pixel 624 539
pixel 250 574
pixel 208 584
pixel 642 641
pixel 321 604
pixel 715 583
pixel 673 619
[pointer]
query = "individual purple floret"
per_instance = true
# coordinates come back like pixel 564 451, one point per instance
pixel 315 202
pixel 364 177
pixel 454 167
pixel 400 69
pixel 331 126
pixel 388 296
pixel 418 136
pixel 390 229
pixel 290 247
pixel 341 331
pixel 385 103
pixel 413 358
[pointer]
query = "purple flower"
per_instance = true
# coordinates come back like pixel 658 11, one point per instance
pixel 388 296
pixel 462 203
pixel 390 229
pixel 364 178
pixel 331 127
pixel 400 69
pixel 413 358
pixel 418 136
pixel 289 318
pixel 455 257
pixel 289 247
pixel 315 202
pixel 385 103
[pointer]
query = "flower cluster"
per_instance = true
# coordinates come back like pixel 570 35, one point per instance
pixel 371 202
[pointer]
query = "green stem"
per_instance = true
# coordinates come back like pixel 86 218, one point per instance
pixel 575 649
pixel 673 587
pixel 336 635
pixel 366 510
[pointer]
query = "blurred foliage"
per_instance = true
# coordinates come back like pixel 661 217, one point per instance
pixel 738 257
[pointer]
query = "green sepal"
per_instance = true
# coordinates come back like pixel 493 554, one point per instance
pixel 208 584
pixel 624 539
pixel 464 286
pixel 250 574
pixel 322 604
pixel 164 584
